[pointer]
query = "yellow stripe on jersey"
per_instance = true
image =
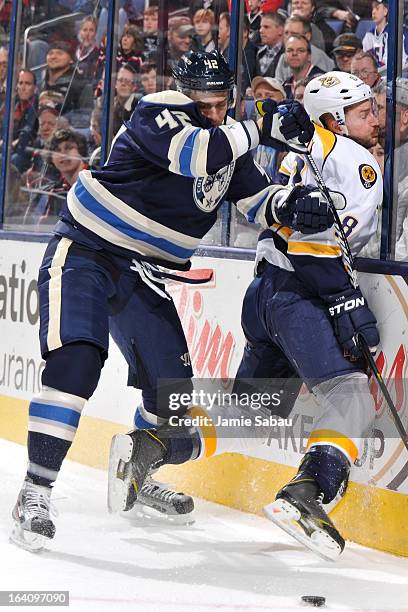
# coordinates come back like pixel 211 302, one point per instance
pixel 331 436
pixel 284 169
pixel 208 433
pixel 328 140
pixel 314 249
pixel 283 231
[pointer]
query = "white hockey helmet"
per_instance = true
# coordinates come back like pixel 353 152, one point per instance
pixel 332 93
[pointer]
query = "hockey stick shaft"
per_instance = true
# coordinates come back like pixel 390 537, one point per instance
pixel 346 254
pixel 380 382
pixel 348 262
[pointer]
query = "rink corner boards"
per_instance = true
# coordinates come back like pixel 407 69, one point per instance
pixel 368 515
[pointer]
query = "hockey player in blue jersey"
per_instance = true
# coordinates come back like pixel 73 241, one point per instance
pixel 301 316
pixel 125 226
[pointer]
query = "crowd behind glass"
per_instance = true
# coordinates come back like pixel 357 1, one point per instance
pixel 56 127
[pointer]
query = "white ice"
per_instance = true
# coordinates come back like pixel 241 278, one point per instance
pixel 226 561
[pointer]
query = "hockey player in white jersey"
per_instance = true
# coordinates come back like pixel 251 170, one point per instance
pixel 301 316
pixel 169 170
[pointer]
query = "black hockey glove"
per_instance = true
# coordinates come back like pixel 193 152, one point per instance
pixel 303 209
pixel 295 122
pixel 351 317
pixel 268 110
pixel 284 127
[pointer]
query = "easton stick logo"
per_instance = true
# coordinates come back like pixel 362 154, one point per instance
pixel 346 306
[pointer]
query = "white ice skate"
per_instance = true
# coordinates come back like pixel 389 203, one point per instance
pixel 32 524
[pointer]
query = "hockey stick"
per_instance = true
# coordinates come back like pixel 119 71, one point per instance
pixel 348 262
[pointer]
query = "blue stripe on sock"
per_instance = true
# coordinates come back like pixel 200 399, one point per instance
pixel 54 413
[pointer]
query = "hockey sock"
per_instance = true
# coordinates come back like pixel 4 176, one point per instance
pixel 53 421
pixel 182 443
pixel 328 466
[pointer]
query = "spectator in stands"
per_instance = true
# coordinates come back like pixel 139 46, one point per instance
pixel 224 29
pixel 299 25
pixel 150 32
pixel 126 97
pixel 249 53
pixel 68 155
pixel 271 31
pixel 130 48
pixel 42 175
pixel 337 9
pixel 87 52
pixel 180 36
pixel 345 47
pixel 95 130
pixel 217 6
pixel 203 22
pixel 25 120
pixel 322 34
pixel 267 87
pixel 299 58
pixel 148 78
pixel 380 96
pixel 364 66
pixel 61 76
pixel 254 17
pixel 376 39
pixel 299 90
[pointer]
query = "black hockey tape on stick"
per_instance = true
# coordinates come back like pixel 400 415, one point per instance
pixel 383 388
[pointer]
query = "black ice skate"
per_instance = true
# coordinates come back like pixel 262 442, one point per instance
pixel 31 514
pixel 133 457
pixel 298 511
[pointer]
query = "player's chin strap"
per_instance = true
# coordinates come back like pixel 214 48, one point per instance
pixel 153 276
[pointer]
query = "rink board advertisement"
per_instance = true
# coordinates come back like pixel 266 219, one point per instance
pixel 211 319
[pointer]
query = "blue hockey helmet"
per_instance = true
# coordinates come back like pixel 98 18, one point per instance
pixel 204 71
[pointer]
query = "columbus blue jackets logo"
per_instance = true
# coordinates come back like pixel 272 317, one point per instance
pixel 368 175
pixel 208 191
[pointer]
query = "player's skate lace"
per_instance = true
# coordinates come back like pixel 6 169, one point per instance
pixel 319 499
pixel 159 491
pixel 37 502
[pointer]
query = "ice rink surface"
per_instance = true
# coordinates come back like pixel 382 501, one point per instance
pixel 226 561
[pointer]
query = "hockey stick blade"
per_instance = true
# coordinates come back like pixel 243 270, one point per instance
pixel 362 344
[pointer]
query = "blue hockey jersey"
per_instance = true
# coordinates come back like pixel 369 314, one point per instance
pixel 167 174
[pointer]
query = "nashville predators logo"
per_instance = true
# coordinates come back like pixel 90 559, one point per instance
pixel 329 81
pixel 368 176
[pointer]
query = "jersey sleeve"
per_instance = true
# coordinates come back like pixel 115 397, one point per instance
pixel 351 170
pixel 168 131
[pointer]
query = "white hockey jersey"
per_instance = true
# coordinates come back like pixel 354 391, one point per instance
pixel 346 167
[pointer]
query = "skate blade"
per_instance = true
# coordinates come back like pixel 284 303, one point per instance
pixel 146 513
pixel 287 517
pixel 33 542
pixel 120 451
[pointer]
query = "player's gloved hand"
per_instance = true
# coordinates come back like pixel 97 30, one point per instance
pixel 351 316
pixel 284 127
pixel 270 135
pixel 303 209
pixel 295 124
